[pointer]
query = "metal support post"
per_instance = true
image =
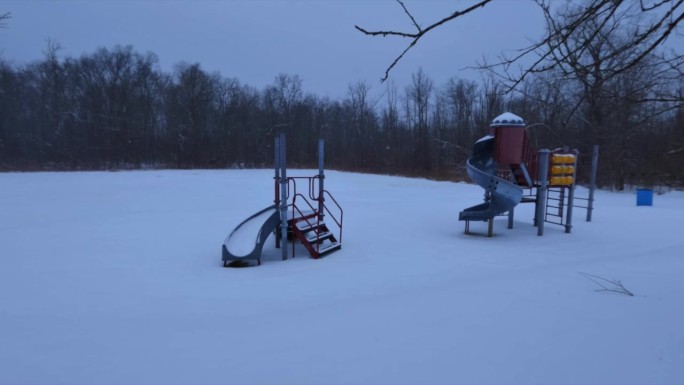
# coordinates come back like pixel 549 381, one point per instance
pixel 510 218
pixel 543 178
pixel 276 157
pixel 571 196
pixel 321 179
pixel 283 193
pixel 592 181
pixel 276 181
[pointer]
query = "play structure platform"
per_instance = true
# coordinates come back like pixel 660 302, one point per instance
pixel 313 218
pixel 504 164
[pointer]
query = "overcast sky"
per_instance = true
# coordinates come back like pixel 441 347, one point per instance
pixel 256 40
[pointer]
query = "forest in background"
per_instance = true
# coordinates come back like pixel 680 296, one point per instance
pixel 115 109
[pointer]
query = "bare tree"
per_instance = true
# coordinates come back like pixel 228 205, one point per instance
pixel 417 108
pixel 360 135
pixel 394 150
pixel 285 92
pixel 190 107
pixel 462 97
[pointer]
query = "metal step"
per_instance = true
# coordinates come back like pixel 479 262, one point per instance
pixel 318 237
pixel 300 215
pixel 328 248
pixel 305 226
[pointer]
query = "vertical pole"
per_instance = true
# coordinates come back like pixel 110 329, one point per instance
pixel 276 181
pixel 571 196
pixel 510 218
pixel 283 193
pixel 321 178
pixel 592 180
pixel 276 156
pixel 541 190
pixel 536 201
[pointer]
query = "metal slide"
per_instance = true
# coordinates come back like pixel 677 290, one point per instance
pixel 503 194
pixel 246 242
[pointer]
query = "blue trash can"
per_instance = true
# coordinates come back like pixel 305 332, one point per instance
pixel 644 197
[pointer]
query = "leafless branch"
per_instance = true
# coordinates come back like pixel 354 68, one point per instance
pixel 415 36
pixel 646 8
pixel 613 286
pixel 413 20
pixel 3 19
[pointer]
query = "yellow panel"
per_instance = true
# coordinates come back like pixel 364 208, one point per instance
pixel 557 170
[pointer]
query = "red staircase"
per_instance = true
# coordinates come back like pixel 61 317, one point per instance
pixel 307 223
pixel 315 235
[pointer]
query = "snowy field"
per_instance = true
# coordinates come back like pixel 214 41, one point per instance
pixel 116 278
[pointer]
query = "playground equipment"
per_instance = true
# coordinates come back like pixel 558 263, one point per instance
pixel 505 165
pixel 293 216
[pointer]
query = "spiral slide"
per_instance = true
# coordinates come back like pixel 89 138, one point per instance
pixel 503 195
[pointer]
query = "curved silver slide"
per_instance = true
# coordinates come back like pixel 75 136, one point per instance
pixel 246 242
pixel 503 194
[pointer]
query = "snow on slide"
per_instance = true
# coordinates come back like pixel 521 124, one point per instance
pixel 244 239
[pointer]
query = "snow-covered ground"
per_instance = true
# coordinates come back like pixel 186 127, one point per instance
pixel 117 278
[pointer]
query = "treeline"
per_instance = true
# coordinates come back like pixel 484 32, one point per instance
pixel 115 109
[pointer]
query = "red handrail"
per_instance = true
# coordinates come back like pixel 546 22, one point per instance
pixel 339 223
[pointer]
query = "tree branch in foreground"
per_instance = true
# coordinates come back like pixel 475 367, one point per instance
pixel 571 33
pixel 420 32
pixel 3 19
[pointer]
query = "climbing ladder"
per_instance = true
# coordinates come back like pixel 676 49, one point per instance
pixel 555 205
